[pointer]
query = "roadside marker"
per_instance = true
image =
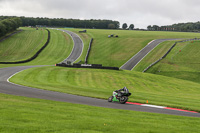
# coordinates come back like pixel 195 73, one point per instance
pixel 161 107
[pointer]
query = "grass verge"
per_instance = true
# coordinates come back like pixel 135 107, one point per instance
pixel 22 115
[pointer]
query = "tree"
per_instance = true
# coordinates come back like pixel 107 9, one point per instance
pixel 61 22
pixel 131 27
pixel 124 26
pixel 149 27
pixel 111 26
pixel 155 27
pixel 8 25
pixel 2 29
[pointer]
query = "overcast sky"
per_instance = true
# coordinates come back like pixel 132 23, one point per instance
pixel 141 13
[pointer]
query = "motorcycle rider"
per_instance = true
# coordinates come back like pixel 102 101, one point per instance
pixel 120 95
pixel 120 91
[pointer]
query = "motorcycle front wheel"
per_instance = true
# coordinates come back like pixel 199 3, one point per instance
pixel 123 99
pixel 110 99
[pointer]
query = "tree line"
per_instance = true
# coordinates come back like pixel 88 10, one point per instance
pixel 61 22
pixel 125 26
pixel 75 23
pixel 9 24
pixel 183 27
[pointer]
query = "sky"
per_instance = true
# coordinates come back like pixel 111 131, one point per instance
pixel 141 13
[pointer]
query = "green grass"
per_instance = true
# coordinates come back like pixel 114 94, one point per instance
pixel 27 115
pixel 182 65
pixel 58 49
pixel 116 51
pixel 158 90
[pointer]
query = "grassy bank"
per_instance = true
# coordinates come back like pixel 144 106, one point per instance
pixel 182 62
pixel 23 45
pixel 22 115
pixel 157 90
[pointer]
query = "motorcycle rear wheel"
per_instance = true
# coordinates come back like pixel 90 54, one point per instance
pixel 123 99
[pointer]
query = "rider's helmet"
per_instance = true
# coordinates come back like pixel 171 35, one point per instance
pixel 126 90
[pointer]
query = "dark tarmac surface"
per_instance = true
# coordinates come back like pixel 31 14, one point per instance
pixel 77 49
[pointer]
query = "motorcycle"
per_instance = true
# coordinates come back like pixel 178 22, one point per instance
pixel 119 97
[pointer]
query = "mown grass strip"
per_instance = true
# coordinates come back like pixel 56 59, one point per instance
pixel 23 45
pixel 34 56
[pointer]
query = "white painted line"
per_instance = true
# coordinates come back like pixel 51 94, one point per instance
pixel 12 76
pixel 153 106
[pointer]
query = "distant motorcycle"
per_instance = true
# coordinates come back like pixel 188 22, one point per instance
pixel 120 96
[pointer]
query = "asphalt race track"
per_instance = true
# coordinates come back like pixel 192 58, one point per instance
pixel 9 88
pixel 130 64
pixel 77 49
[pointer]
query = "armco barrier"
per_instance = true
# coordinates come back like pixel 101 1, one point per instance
pixel 34 56
pixel 168 52
pixel 95 66
pixel 88 52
